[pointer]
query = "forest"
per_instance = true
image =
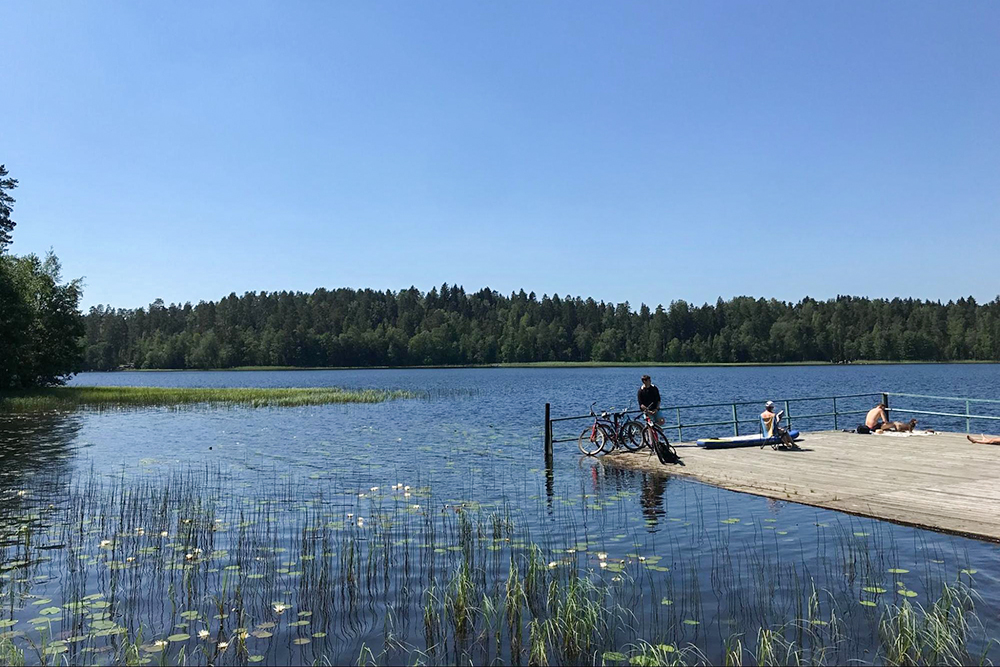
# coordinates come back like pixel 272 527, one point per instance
pixel 449 326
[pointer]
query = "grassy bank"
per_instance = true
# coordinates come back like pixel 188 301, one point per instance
pixel 69 398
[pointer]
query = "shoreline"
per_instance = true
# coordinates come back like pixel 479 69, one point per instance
pixel 557 364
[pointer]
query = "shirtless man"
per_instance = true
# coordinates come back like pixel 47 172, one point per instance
pixel 984 440
pixel 875 416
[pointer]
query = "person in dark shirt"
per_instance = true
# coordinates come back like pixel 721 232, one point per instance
pixel 649 399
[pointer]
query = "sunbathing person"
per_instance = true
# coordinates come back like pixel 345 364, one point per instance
pixel 875 416
pixel 984 440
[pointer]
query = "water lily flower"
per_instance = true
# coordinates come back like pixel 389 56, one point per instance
pixel 189 557
pixel 642 559
pixel 602 556
pixel 406 495
pixel 361 522
pixel 163 533
pixel 416 507
pixel 105 543
pixel 223 645
pixel 571 551
pixel 203 634
pixel 406 488
pixel 140 531
pixel 374 489
pixel 350 516
pixel 160 642
pixel 130 559
pixel 552 564
pixel 604 564
pixel 280 607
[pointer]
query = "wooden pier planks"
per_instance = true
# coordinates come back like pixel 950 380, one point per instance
pixel 941 481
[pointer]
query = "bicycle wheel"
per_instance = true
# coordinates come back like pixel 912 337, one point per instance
pixel 631 436
pixel 591 440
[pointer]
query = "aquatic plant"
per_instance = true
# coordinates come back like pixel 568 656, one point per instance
pixel 102 398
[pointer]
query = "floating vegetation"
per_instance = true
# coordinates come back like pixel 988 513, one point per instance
pixel 192 568
pixel 103 398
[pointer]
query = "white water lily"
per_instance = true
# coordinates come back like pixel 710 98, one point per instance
pixel 189 556
pixel 571 551
pixel 105 543
pixel 373 489
pixel 552 564
pixel 602 556
pixel 203 634
pixel 406 495
pixel 416 507
pixel 223 645
pixel 280 607
pixel 642 559
pixel 361 522
pixel 160 642
pixel 163 533
pixel 604 564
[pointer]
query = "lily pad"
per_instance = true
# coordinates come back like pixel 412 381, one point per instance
pixel 255 658
pixel 898 570
pixel 909 594
pixel 180 637
pixel 614 656
pixel 666 601
pixel 868 603
pixel 688 621
pixel 877 590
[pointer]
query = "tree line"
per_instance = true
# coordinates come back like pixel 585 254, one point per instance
pixel 447 325
pixel 41 327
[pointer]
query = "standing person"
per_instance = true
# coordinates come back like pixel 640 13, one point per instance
pixel 769 424
pixel 875 416
pixel 649 399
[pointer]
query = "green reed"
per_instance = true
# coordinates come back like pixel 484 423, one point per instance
pixel 70 398
pixel 194 568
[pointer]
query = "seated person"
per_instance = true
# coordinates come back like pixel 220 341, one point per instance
pixel 984 440
pixel 769 424
pixel 875 417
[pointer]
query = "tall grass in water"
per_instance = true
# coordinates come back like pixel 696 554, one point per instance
pixel 191 569
pixel 68 398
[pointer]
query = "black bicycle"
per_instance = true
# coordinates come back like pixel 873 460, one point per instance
pixel 610 431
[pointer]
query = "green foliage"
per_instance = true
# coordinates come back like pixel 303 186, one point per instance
pixel 446 326
pixel 6 207
pixel 40 324
pixel 68 398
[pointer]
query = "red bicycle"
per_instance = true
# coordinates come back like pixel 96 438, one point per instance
pixel 608 432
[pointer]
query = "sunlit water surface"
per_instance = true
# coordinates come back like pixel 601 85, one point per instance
pixel 151 519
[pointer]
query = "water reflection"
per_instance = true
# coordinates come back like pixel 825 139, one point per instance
pixel 35 443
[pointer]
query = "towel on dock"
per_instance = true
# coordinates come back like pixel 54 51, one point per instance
pixel 897 434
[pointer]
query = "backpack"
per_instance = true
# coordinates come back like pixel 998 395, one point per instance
pixel 665 452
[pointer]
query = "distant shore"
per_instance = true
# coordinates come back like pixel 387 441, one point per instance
pixel 554 364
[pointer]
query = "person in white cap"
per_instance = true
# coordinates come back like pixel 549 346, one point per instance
pixel 769 424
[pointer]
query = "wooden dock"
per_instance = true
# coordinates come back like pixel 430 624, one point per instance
pixel 941 481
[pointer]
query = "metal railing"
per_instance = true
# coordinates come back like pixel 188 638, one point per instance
pixel 734 420
pixel 968 416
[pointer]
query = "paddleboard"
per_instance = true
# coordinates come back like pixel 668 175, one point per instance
pixel 742 441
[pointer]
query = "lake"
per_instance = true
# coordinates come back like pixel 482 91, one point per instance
pixel 281 536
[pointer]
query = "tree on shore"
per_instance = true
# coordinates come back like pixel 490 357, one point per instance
pixel 41 327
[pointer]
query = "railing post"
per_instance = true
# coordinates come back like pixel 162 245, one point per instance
pixel 788 413
pixel 736 422
pixel 548 432
pixel 835 426
pixel 968 422
pixel 679 435
pixel 885 402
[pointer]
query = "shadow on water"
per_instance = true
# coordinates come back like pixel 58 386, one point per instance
pixel 34 444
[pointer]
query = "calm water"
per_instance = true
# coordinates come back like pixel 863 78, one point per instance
pixel 723 563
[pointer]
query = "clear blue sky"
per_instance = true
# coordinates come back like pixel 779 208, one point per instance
pixel 627 151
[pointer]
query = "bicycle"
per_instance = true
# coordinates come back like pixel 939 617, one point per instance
pixel 608 433
pixel 654 438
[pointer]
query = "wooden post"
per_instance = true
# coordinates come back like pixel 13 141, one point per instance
pixel 788 415
pixel 736 422
pixel 885 402
pixel 968 422
pixel 835 426
pixel 548 432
